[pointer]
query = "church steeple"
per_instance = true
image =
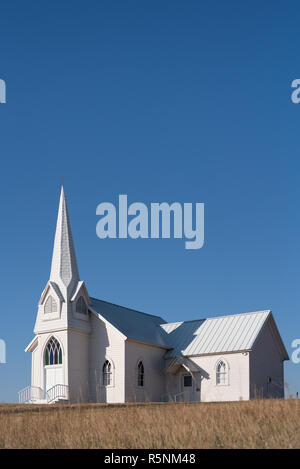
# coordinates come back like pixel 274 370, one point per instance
pixel 63 323
pixel 64 270
pixel 64 301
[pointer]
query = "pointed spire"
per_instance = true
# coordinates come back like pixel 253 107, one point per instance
pixel 64 266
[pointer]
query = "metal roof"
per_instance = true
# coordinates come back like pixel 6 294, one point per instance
pixel 214 335
pixel 220 334
pixel 133 324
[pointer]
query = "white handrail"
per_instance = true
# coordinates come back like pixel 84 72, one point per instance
pixel 177 395
pixel 30 394
pixel 59 391
pixel 173 397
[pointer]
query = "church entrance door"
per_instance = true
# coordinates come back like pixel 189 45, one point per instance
pixel 190 392
pixel 53 376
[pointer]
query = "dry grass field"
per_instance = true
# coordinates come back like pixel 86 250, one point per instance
pixel 254 424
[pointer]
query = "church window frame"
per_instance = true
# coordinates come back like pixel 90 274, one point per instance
pixel 140 371
pixel 107 378
pixel 222 373
pixel 53 352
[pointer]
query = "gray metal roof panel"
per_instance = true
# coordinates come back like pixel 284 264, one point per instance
pixel 133 324
pixel 204 336
pixel 214 335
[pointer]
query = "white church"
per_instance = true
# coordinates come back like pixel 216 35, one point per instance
pixel 89 350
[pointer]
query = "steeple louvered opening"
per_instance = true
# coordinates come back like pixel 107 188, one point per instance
pixel 81 307
pixel 50 305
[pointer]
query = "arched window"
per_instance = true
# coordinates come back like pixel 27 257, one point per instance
pixel 53 352
pixel 50 305
pixel 81 306
pixel 107 374
pixel 140 374
pixel 222 373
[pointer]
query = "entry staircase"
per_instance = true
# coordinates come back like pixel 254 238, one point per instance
pixel 37 395
pixel 184 396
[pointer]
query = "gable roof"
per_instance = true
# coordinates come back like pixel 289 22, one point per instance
pixel 221 334
pixel 133 324
pixel 32 345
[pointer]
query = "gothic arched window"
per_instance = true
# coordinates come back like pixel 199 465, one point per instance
pixel 140 374
pixel 81 306
pixel 107 373
pixel 50 305
pixel 222 373
pixel 53 352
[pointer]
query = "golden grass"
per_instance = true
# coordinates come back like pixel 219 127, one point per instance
pixel 253 424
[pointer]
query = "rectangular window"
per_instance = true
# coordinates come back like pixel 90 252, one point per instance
pixel 187 381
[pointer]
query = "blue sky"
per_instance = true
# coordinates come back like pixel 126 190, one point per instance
pixel 163 101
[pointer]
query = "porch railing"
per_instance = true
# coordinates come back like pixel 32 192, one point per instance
pixel 31 394
pixel 57 392
pixel 183 396
pixel 180 397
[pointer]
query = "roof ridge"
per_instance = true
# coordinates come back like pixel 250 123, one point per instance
pixel 126 307
pixel 222 316
pixel 241 314
pixel 181 322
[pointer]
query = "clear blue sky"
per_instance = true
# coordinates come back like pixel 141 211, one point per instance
pixel 164 101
